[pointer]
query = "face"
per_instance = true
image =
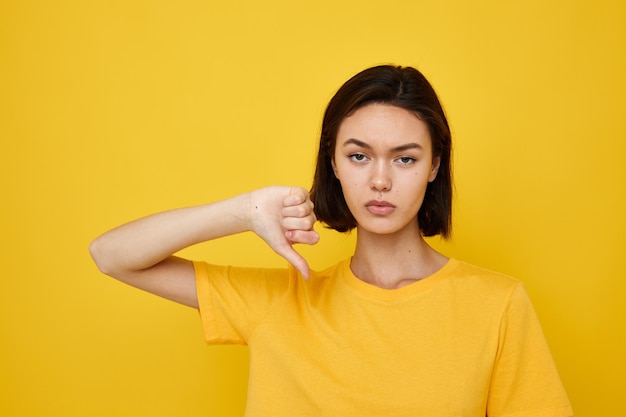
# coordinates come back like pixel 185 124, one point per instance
pixel 383 160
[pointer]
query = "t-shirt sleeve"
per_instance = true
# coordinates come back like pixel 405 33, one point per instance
pixel 233 301
pixel 525 382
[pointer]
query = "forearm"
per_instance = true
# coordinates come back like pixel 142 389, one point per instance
pixel 140 253
pixel 145 242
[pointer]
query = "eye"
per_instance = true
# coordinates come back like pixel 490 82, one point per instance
pixel 406 160
pixel 357 157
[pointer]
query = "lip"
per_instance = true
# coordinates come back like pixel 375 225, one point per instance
pixel 380 207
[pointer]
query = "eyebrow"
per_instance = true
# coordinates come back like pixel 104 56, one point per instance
pixel 400 148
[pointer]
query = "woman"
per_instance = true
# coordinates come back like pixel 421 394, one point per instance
pixel 398 329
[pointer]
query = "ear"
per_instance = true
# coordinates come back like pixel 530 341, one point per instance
pixel 332 162
pixel 435 169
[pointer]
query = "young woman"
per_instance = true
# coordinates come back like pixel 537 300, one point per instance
pixel 398 329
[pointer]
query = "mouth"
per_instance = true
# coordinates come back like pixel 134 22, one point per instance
pixel 380 208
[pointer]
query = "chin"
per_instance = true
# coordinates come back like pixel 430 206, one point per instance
pixel 386 227
pixel 379 229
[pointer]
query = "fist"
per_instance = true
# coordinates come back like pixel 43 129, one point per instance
pixel 283 216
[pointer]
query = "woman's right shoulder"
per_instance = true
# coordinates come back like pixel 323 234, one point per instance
pixel 241 276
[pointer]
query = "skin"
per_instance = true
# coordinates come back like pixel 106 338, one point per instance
pixel 140 253
pixel 383 153
pixel 383 160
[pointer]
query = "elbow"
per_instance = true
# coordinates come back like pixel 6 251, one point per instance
pixel 98 253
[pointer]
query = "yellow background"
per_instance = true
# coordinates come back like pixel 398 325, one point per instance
pixel 110 110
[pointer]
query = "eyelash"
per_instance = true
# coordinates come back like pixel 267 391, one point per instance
pixel 359 157
pixel 355 157
pixel 410 160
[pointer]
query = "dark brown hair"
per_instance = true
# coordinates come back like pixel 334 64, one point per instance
pixel 404 87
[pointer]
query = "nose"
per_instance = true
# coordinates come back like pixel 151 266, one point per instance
pixel 380 179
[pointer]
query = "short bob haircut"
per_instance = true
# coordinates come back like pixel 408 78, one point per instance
pixel 404 87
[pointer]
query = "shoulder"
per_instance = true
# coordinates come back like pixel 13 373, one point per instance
pixel 255 279
pixel 483 287
pixel 461 271
pixel 321 281
pixel 241 279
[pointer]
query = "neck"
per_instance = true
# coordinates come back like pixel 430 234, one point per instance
pixel 396 260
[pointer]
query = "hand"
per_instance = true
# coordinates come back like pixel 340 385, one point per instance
pixel 282 216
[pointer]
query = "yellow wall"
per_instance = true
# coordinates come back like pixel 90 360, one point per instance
pixel 112 110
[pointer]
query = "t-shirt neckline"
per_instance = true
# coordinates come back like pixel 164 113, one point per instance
pixel 418 287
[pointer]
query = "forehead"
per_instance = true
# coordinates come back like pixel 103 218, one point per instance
pixel 384 125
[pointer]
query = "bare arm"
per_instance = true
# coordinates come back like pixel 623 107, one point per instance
pixel 140 253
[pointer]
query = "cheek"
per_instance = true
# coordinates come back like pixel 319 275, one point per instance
pixel 347 180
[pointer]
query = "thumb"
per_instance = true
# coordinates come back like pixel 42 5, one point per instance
pixel 295 259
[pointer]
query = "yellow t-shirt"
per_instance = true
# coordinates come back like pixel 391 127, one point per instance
pixel 464 342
